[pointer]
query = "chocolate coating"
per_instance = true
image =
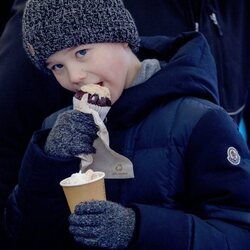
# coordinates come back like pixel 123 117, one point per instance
pixel 94 99
pixel 99 101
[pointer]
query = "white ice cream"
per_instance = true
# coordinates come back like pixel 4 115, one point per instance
pixel 81 178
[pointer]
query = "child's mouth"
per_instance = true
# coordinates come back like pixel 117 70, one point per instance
pixel 78 95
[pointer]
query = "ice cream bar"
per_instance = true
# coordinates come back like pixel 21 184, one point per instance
pixel 95 97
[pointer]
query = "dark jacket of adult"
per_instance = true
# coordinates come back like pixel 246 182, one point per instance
pixel 225 26
pixel 26 98
pixel 189 192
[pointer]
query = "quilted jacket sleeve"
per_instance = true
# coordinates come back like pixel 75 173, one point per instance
pixel 37 208
pixel 217 213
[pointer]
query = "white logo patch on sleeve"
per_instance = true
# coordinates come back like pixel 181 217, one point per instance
pixel 233 156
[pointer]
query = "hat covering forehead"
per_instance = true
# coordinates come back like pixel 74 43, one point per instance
pixel 52 25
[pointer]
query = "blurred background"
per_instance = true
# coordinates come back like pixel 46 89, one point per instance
pixel 5 13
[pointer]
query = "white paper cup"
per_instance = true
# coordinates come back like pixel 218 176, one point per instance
pixel 92 190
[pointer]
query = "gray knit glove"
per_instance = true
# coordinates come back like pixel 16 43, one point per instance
pixel 73 133
pixel 102 224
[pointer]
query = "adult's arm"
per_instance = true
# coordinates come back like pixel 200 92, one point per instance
pixel 26 98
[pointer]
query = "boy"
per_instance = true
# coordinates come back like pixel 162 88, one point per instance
pixel 191 166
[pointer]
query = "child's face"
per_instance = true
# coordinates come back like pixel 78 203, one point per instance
pixel 112 65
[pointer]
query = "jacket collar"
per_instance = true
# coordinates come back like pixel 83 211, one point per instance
pixel 190 71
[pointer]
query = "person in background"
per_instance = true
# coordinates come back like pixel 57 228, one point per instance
pixel 191 165
pixel 225 26
pixel 5 14
pixel 27 97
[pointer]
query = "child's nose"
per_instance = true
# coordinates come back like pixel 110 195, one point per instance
pixel 77 75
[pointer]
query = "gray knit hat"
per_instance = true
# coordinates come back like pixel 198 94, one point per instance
pixel 52 25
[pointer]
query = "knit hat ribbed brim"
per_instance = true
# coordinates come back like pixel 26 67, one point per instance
pixel 53 25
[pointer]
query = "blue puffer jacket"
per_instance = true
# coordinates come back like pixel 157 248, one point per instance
pixel 192 168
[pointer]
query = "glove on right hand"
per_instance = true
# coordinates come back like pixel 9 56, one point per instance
pixel 73 133
pixel 103 224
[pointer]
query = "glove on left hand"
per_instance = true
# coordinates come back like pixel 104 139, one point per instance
pixel 102 224
pixel 73 133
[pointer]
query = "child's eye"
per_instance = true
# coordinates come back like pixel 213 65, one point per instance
pixel 57 67
pixel 81 53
